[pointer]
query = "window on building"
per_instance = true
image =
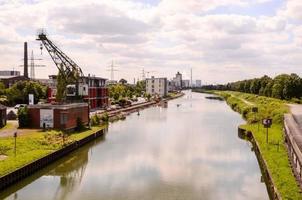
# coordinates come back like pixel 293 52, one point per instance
pixel 63 118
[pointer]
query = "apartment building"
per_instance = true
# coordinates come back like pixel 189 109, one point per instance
pixel 157 86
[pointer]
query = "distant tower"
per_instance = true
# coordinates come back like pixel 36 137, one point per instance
pixel 191 78
pixel 111 69
pixel 25 60
pixel 32 66
pixel 143 74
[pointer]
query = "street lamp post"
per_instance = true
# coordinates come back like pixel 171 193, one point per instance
pixel 15 136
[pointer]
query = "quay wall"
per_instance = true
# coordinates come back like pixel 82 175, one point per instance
pixel 271 188
pixel 36 165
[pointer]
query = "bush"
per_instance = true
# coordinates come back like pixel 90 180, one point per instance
pixel 23 117
pixel 80 125
pixel 105 117
pixel 245 112
pixel 296 100
pixel 95 120
pixel 4 150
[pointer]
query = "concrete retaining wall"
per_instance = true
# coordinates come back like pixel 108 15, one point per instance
pixel 272 190
pixel 31 168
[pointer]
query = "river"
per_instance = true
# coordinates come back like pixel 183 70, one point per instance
pixel 190 150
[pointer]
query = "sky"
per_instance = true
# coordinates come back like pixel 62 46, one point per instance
pixel 221 40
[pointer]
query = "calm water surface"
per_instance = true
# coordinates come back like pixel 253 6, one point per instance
pixel 186 152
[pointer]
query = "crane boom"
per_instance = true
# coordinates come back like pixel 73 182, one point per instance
pixel 69 70
pixel 64 64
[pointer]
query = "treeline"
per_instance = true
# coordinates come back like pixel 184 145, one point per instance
pixel 18 93
pixel 283 86
pixel 120 91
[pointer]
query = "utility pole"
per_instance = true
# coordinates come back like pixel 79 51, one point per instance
pixel 32 65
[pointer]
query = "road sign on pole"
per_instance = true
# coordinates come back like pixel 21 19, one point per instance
pixel 267 124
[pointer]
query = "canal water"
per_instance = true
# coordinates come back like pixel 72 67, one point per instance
pixel 190 150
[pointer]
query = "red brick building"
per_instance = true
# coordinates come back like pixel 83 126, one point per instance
pixel 98 93
pixel 63 117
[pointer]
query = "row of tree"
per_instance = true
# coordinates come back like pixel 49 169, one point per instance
pixel 122 91
pixel 18 93
pixel 283 86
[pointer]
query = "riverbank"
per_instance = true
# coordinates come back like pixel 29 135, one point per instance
pixel 37 145
pixel 122 112
pixel 274 152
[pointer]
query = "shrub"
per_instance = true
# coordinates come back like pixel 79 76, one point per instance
pixel 23 117
pixel 245 112
pixel 80 125
pixel 95 120
pixel 4 150
pixel 105 117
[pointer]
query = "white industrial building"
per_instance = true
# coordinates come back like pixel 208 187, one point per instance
pixel 178 81
pixel 9 73
pixel 157 86
pixel 185 83
pixel 198 83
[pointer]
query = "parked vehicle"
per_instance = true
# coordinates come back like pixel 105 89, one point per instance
pixel 19 106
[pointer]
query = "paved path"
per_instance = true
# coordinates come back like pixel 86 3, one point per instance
pixel 12 128
pixel 243 100
pixel 296 111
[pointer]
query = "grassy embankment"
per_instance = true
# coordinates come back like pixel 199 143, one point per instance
pixel 274 153
pixel 34 145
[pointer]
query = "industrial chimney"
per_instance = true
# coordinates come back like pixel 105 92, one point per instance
pixel 25 60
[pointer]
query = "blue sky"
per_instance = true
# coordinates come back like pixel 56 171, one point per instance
pixel 255 9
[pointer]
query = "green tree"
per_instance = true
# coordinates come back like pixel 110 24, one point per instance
pixel 61 87
pixel 23 117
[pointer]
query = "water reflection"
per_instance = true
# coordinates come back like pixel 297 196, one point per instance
pixel 181 152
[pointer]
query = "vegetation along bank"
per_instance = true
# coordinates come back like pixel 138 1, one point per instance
pixel 274 152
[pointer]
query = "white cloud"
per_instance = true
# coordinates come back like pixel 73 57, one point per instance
pixel 173 35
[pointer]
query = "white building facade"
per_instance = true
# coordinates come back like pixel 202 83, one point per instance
pixel 157 86
pixel 185 83
pixel 198 83
pixel 178 81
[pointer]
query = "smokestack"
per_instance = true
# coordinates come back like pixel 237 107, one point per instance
pixel 25 60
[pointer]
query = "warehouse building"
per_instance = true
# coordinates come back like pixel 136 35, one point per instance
pixel 62 117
